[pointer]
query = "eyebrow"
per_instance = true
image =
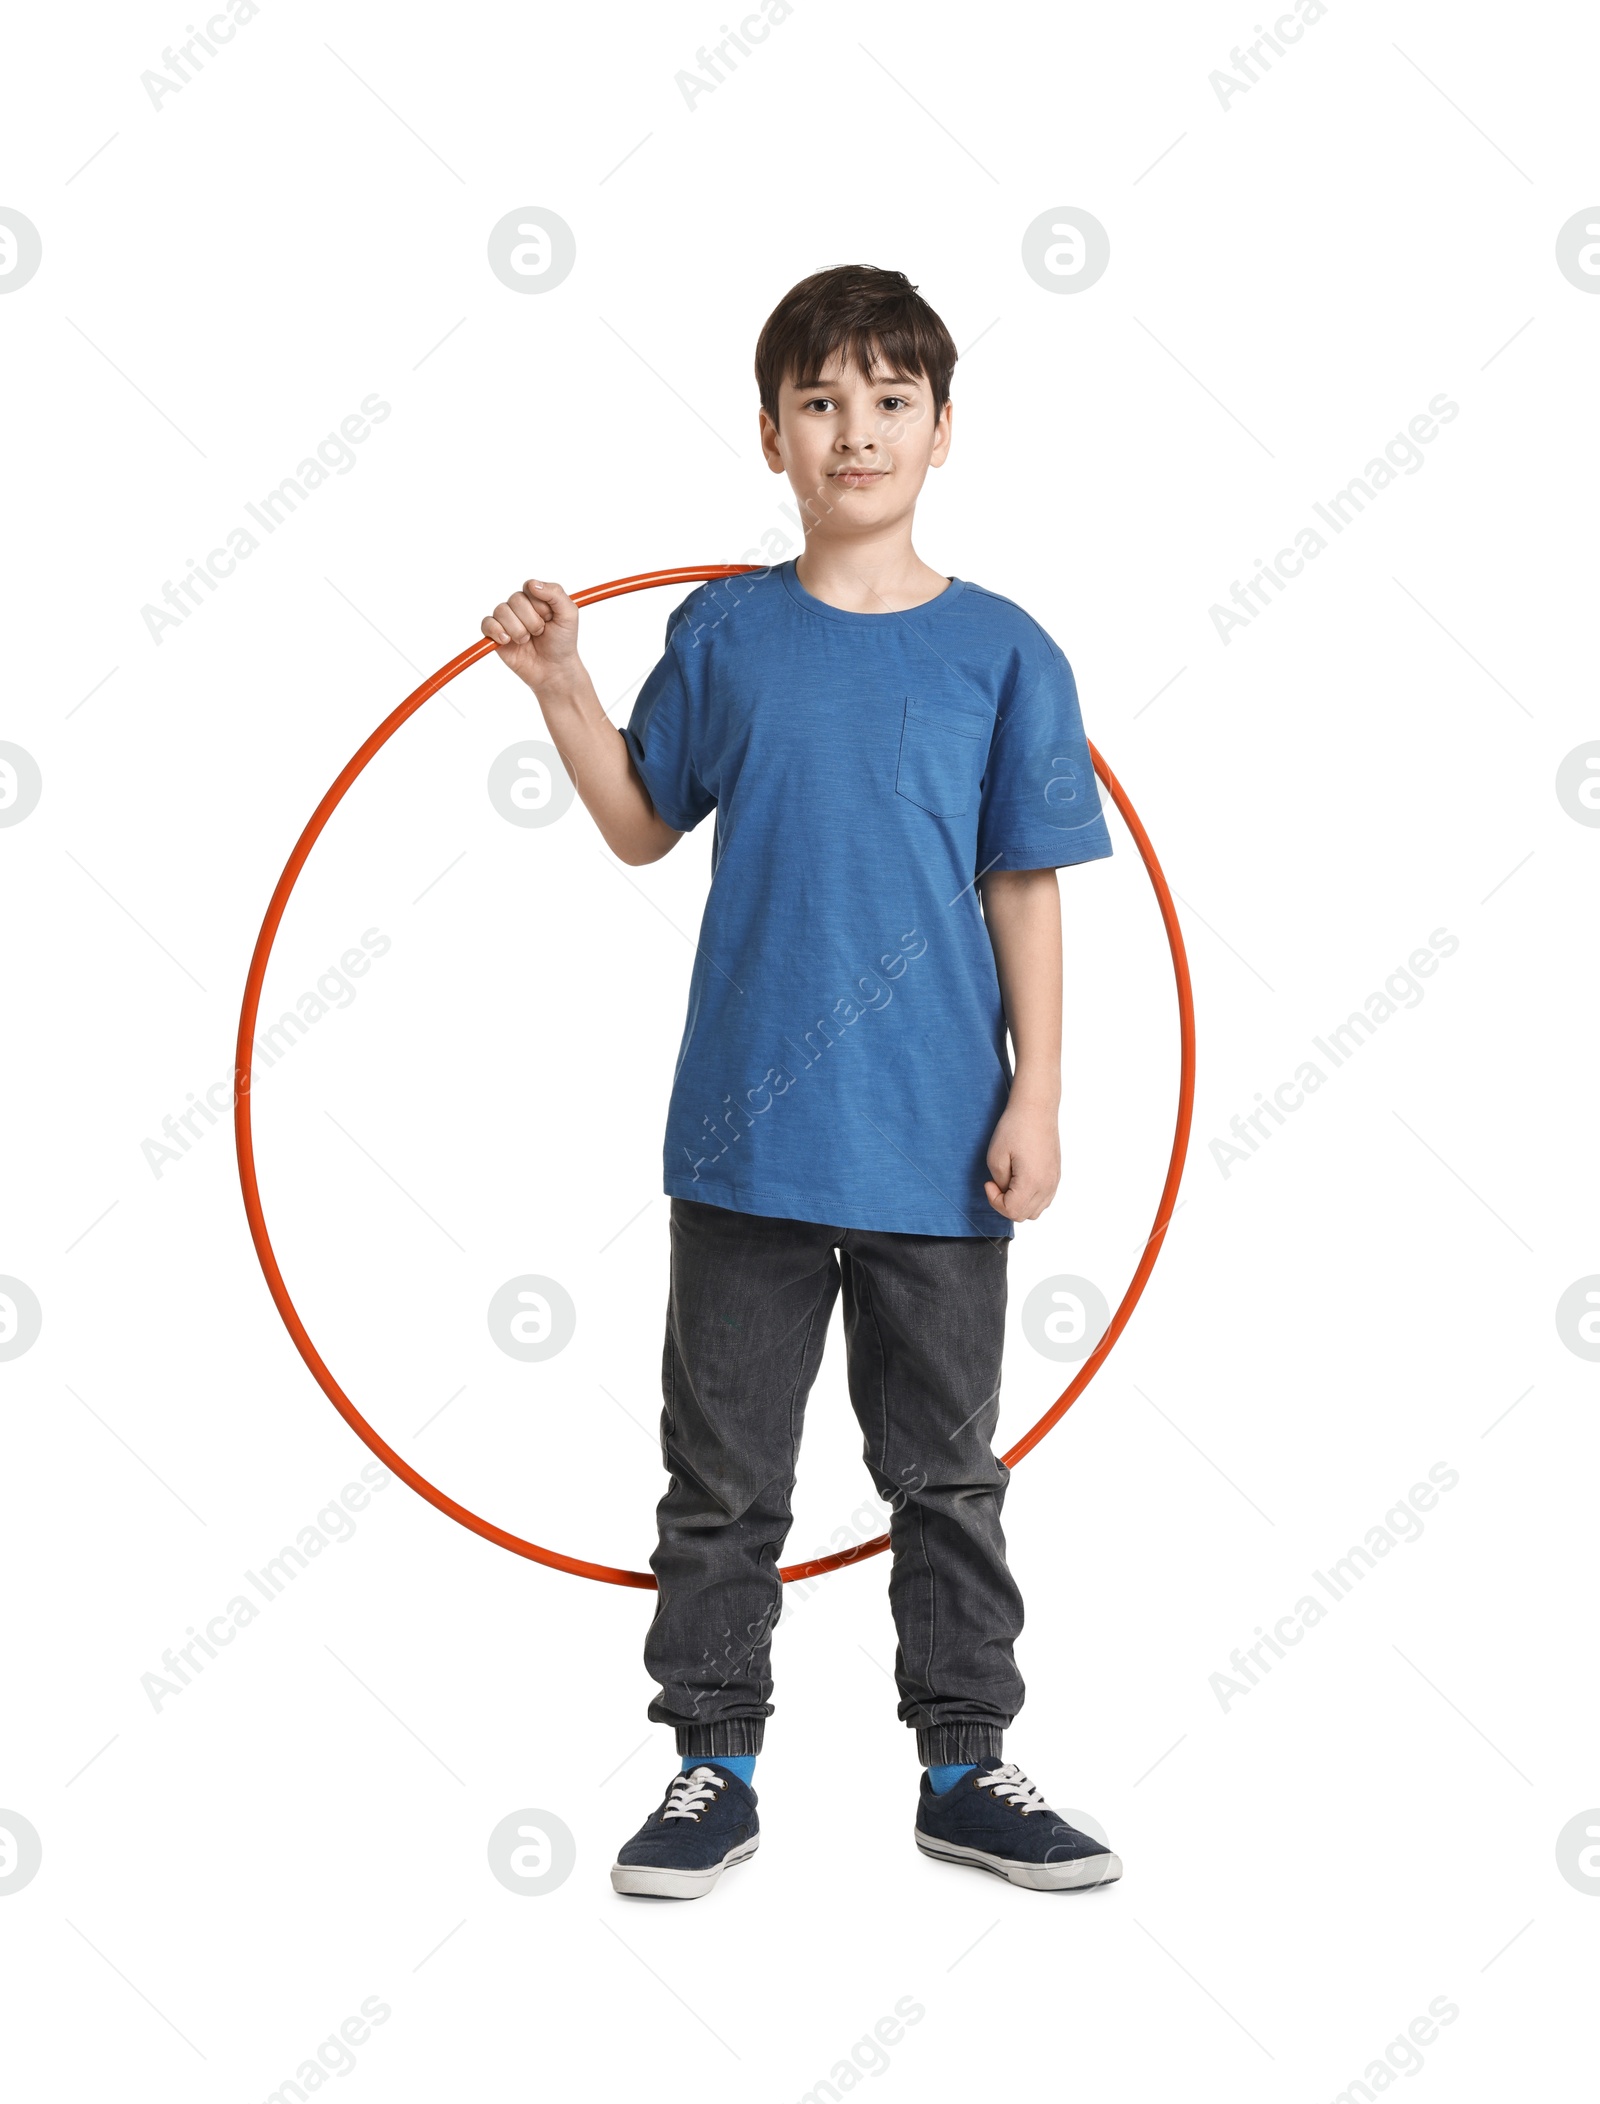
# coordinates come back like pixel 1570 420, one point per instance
pixel 884 380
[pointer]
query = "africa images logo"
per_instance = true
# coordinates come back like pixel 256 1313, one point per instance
pixel 777 1081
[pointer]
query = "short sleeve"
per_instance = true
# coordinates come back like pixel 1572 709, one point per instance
pixel 658 735
pixel 1040 805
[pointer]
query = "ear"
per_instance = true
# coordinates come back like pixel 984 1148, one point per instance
pixel 768 433
pixel 942 435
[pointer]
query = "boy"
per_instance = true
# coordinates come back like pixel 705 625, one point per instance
pixel 897 767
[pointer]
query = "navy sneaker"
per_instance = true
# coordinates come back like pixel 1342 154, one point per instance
pixel 995 1819
pixel 703 1826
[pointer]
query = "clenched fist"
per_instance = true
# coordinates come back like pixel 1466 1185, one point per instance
pixel 535 632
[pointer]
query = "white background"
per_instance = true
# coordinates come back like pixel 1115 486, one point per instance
pixel 1292 279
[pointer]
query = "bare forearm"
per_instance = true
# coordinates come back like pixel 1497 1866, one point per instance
pixel 596 756
pixel 535 634
pixel 1022 910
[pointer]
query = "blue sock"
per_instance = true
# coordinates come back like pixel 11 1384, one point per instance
pixel 946 1774
pixel 742 1765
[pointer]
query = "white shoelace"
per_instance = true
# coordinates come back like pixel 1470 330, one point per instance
pixel 1007 1782
pixel 688 1795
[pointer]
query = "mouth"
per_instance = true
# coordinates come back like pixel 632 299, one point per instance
pixel 857 478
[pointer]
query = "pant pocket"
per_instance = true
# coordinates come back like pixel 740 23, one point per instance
pixel 669 1424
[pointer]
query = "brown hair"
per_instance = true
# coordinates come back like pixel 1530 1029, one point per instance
pixel 853 308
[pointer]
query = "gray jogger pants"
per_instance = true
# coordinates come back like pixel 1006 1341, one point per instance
pixel 924 1323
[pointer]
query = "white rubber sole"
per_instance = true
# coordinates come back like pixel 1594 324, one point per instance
pixel 654 1883
pixel 1070 1876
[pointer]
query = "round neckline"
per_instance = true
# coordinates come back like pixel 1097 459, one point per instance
pixel 797 591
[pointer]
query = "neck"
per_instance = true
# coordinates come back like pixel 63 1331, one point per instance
pixel 868 574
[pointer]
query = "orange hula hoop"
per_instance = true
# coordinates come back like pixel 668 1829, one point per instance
pixel 577 1566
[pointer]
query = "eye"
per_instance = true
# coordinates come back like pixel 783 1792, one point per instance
pixel 820 401
pixel 888 399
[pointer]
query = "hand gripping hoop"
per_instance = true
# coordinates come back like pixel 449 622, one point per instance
pixel 604 1573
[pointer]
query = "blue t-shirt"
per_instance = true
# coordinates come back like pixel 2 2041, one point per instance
pixel 844 1056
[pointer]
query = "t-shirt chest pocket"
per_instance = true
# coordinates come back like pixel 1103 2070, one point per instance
pixel 942 747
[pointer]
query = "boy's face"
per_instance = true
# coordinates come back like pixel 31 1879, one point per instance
pixel 856 451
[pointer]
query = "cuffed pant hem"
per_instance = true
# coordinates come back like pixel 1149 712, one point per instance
pixel 730 1735
pixel 946 1745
